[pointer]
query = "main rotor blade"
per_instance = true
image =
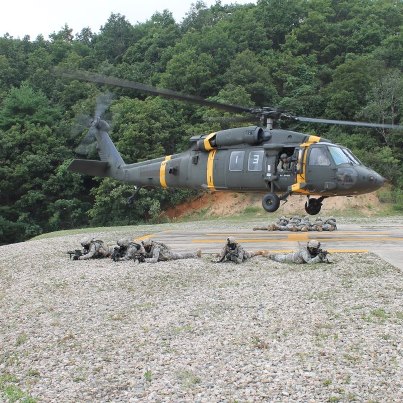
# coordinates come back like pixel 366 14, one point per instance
pixel 233 119
pixel 348 123
pixel 118 82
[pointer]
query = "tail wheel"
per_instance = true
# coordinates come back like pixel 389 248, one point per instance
pixel 271 202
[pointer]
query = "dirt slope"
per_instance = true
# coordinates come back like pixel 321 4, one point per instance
pixel 227 203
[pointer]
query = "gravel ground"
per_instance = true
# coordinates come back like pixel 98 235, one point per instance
pixel 194 331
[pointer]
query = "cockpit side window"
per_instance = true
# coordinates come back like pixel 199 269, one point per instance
pixel 339 156
pixel 352 157
pixel 318 156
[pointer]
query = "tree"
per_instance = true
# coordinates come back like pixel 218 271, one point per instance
pixel 114 39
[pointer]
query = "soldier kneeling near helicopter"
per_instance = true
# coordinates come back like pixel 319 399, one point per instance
pixel 310 254
pixel 127 250
pixel 158 251
pixel 234 252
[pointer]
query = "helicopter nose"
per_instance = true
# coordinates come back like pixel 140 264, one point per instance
pixel 375 180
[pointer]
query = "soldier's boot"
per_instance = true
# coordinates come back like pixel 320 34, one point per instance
pixel 332 228
pixel 294 229
pixel 319 228
pixel 260 253
pixel 198 253
pixel 304 228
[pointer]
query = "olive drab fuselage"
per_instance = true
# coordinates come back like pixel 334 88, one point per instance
pixel 242 159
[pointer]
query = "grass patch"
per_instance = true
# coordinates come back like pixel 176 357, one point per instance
pixel 21 339
pixel 148 376
pixel 182 329
pixel 188 378
pixel 251 210
pixel 376 315
pixel 257 342
pixel 12 392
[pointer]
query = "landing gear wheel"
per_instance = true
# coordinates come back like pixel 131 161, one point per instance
pixel 271 202
pixel 313 206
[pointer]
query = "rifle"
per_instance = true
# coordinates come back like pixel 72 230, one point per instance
pixel 75 254
pixel 120 251
pixel 323 255
pixel 140 257
pixel 117 253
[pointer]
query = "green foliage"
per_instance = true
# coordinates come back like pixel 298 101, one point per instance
pixel 319 58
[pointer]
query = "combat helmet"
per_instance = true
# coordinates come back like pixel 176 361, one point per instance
pixel 313 243
pixel 123 242
pixel 231 239
pixel 147 242
pixel 86 241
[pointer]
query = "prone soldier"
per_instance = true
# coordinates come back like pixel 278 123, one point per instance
pixel 127 250
pixel 310 254
pixel 279 225
pixel 158 251
pixel 234 252
pixel 317 225
pixel 93 249
pixel 329 224
pixel 294 224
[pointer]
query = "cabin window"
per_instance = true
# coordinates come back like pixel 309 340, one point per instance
pixel 318 156
pixel 236 160
pixel 255 161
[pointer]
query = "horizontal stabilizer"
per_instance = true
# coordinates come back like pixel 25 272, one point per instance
pixel 89 167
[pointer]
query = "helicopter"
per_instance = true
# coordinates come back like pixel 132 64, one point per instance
pixel 244 159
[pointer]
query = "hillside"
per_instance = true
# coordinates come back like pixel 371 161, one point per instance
pixel 229 203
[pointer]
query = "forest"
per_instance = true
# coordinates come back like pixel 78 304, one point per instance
pixel 333 59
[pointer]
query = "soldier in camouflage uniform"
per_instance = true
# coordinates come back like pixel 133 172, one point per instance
pixel 304 224
pixel 309 254
pixel 280 223
pixel 234 252
pixel 93 249
pixel 158 251
pixel 129 251
pixel 294 224
pixel 329 224
pixel 317 225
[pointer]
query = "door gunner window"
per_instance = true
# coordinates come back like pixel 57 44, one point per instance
pixel 318 156
pixel 236 160
pixel 255 162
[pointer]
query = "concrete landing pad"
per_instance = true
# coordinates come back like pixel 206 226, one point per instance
pixel 384 240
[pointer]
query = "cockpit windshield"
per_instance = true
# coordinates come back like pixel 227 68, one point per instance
pixel 352 157
pixel 339 157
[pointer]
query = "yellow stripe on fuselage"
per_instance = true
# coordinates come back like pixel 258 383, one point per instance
pixel 162 171
pixel 206 142
pixel 210 169
pixel 298 187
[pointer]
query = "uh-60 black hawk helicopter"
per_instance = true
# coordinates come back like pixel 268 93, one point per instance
pixel 244 159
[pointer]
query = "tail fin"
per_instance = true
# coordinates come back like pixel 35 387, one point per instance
pixel 106 149
pixel 111 163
